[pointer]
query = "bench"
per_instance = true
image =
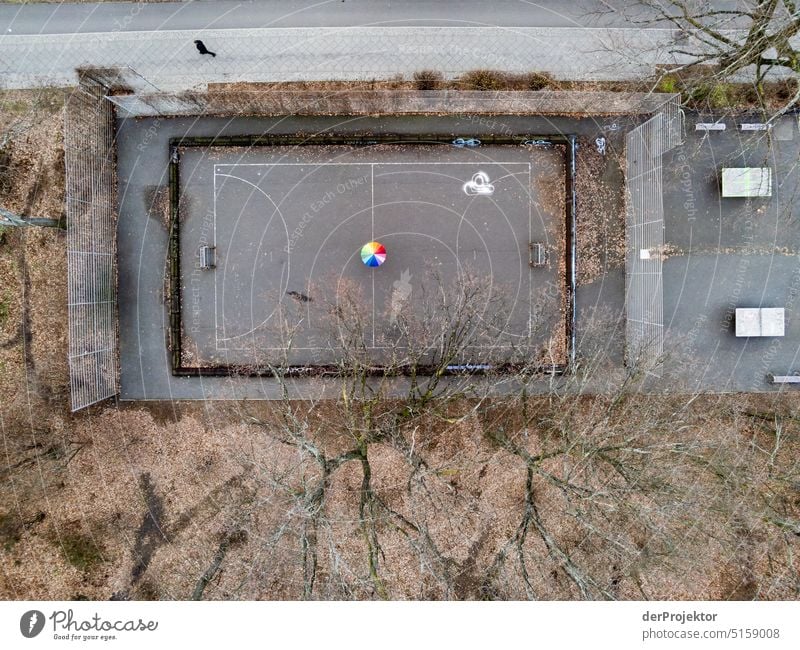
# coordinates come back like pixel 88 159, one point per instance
pixel 208 257
pixel 783 379
pixel 710 126
pixel 538 256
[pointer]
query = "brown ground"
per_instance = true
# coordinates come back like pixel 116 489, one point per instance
pixel 554 498
pixel 696 90
pixel 550 191
pixel 601 209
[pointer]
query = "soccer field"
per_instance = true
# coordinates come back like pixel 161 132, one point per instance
pixel 286 224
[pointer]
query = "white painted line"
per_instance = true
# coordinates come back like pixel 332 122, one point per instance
pixel 364 164
pixel 222 168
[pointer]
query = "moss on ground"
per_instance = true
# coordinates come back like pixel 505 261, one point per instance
pixel 80 550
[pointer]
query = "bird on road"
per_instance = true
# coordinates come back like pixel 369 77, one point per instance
pixel 201 47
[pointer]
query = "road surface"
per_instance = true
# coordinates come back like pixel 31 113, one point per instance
pixel 229 14
pixel 42 45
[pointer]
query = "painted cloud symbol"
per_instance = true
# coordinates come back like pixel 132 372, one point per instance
pixel 479 184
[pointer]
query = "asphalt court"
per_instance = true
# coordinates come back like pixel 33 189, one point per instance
pixel 288 223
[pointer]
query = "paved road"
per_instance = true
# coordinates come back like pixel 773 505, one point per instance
pixel 168 59
pixel 356 39
pixel 229 14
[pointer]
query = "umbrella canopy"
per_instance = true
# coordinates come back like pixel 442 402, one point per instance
pixel 373 254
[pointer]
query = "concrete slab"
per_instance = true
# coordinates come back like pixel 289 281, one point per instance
pixel 701 295
pixel 759 321
pixel 772 321
pixel 785 128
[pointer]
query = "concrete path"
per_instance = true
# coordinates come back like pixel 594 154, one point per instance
pixel 42 45
pixel 231 14
pixel 169 60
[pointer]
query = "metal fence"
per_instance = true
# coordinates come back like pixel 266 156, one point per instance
pixel 91 249
pixel 644 299
pixel 91 202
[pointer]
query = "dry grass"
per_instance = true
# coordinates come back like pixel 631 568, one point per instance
pixel 32 153
pixel 428 80
pixel 649 497
pixel 496 80
pixel 713 521
pixel 549 194
pixel 696 91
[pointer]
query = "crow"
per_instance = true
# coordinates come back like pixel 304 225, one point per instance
pixel 201 47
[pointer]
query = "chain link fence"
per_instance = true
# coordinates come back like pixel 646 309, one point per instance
pixel 171 61
pixel 91 249
pixel 644 300
pixel 91 186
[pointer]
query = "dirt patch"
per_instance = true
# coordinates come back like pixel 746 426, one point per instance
pixel 600 211
pixel 164 413
pixel 80 550
pixel 224 502
pixel 157 204
pixel 33 333
pixel 696 91
pixel 32 153
pixel 150 534
pixel 32 260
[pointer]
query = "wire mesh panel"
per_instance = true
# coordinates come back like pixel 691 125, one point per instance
pixel 91 281
pixel 644 299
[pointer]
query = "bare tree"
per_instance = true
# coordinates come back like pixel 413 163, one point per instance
pixel 413 483
pixel 506 486
pixel 8 218
pixel 756 40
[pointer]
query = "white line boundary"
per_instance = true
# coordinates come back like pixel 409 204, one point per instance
pixel 221 345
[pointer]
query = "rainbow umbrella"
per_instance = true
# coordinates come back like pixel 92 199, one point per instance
pixel 373 254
